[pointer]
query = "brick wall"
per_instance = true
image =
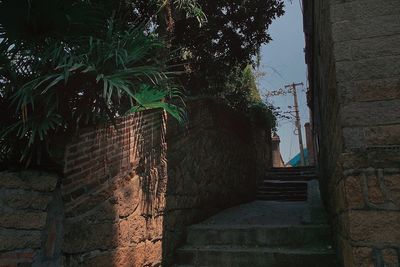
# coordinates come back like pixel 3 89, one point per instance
pixel 353 53
pixel 130 193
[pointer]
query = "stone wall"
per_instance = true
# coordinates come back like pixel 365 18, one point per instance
pixel 353 54
pixel 130 193
pixel 127 194
pixel 30 219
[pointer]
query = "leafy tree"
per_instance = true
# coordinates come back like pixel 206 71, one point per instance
pixel 232 36
pixel 67 64
pixel 213 37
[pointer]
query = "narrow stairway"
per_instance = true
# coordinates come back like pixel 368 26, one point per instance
pixel 291 232
pixel 286 184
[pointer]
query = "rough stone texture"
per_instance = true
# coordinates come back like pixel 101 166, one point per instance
pixel 26 199
pixel 352 52
pixel 130 193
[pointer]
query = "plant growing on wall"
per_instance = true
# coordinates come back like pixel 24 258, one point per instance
pixel 242 94
pixel 67 64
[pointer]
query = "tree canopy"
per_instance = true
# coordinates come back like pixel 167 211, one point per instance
pixel 66 64
pixel 215 37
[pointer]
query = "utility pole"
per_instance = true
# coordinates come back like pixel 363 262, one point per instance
pixel 297 114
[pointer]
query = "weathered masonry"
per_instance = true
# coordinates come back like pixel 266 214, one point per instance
pixel 126 196
pixel 353 55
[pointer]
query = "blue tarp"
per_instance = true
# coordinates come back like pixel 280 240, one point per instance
pixel 296 161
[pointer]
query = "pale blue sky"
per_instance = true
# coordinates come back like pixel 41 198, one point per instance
pixel 283 61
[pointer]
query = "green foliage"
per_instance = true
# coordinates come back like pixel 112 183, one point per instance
pixel 249 84
pixel 192 10
pixel 149 97
pixel 231 36
pixel 241 93
pixel 262 115
pixel 88 66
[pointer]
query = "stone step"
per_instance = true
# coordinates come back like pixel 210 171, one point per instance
pixel 285 177
pixel 232 256
pixel 291 171
pixel 296 169
pixel 259 235
pixel 282 198
pixel 282 185
pixel 290 176
pixel 282 192
pixel 282 182
pixel 282 188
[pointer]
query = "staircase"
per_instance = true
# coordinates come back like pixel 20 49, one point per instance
pixel 264 233
pixel 286 184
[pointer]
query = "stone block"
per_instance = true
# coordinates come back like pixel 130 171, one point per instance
pixel 30 180
pixel 145 254
pixel 379 113
pixel 375 157
pixel 368 69
pixel 367 27
pixel 377 89
pixel 371 226
pixel 391 257
pixel 128 197
pixel 362 9
pixel 392 183
pixel 137 229
pixel 371 48
pixel 353 192
pixel 369 90
pixel 22 199
pixel 20 258
pixel 348 194
pixel 80 237
pixel 23 219
pixel 375 193
pixel 19 239
pixel 363 137
pixel 362 256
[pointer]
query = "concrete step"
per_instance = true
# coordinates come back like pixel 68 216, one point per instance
pixel 234 256
pixel 259 235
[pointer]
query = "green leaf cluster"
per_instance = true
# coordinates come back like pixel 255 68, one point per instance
pixel 242 94
pixel 88 66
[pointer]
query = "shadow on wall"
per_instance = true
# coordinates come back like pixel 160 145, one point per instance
pixel 212 165
pixel 112 194
pixel 130 193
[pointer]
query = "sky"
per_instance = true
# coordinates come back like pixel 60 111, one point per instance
pixel 282 61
